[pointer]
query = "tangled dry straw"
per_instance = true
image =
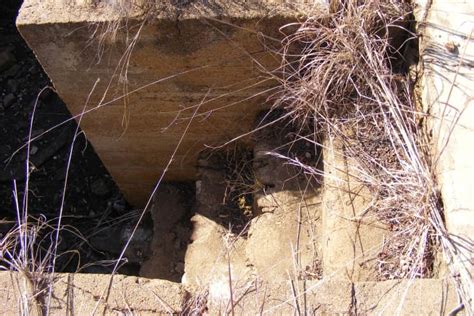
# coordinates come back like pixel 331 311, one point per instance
pixel 342 74
pixel 345 76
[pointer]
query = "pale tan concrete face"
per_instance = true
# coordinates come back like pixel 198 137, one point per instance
pixel 447 94
pixel 84 294
pixel 212 61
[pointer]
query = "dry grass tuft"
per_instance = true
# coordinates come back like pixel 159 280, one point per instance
pixel 342 75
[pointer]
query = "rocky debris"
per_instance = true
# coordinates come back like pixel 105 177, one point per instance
pixel 33 150
pixel 100 188
pixel 282 238
pixel 170 212
pixel 21 79
pixel 7 59
pixel 13 85
pixel 113 239
pixel 37 156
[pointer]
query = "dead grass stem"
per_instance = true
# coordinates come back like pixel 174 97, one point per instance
pixel 341 74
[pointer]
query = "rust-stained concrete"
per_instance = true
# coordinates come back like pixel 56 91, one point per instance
pixel 212 57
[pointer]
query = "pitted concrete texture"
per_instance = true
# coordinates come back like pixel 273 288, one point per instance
pixel 447 94
pixel 79 294
pixel 85 294
pixel 211 57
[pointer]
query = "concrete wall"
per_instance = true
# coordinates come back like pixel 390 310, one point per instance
pixel 84 294
pixel 447 95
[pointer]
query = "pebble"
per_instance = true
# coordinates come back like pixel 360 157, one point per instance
pixel 33 150
pixel 15 69
pixel 119 205
pixel 13 85
pixel 99 187
pixel 33 69
pixel 6 60
pixel 8 100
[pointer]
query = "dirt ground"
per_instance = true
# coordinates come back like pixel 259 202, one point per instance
pixel 92 198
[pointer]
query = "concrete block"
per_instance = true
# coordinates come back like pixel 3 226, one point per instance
pixel 446 92
pixel 405 297
pixel 213 56
pixel 352 235
pixel 80 294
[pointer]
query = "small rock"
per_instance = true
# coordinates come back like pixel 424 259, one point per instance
pixel 8 100
pixel 13 85
pixel 10 73
pixel 33 69
pixel 119 205
pixel 6 60
pixel 99 187
pixel 33 150
pixel 307 155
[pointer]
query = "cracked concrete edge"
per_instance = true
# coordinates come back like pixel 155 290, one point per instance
pixel 79 11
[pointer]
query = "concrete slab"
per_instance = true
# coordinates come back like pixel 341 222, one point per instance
pixel 79 294
pixel 405 297
pixel 210 56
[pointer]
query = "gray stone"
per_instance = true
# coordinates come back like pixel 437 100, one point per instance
pixel 6 60
pixel 13 85
pixel 100 188
pixel 33 150
pixel 12 71
pixel 8 100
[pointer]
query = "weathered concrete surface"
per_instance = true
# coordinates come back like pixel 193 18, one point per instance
pixel 79 294
pixel 447 94
pixel 214 257
pixel 282 240
pixel 338 297
pixel 352 235
pixel 405 297
pixel 209 56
